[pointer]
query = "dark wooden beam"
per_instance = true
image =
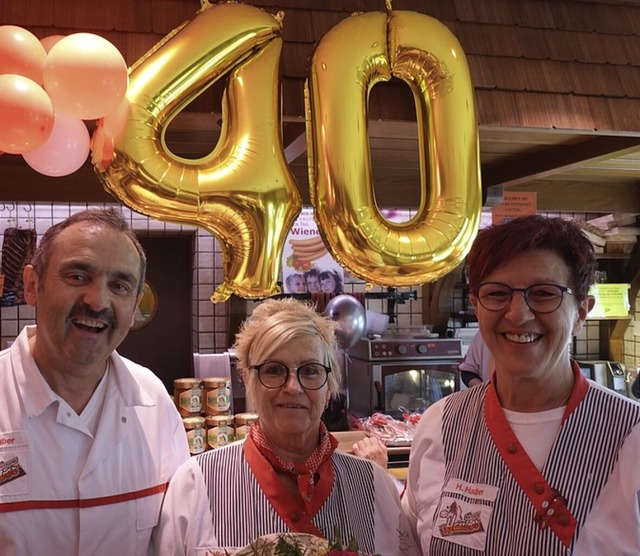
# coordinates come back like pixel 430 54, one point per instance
pixel 540 163
pixel 571 196
pixel 19 182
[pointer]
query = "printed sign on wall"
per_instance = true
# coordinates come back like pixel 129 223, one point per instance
pixel 514 204
pixel 307 265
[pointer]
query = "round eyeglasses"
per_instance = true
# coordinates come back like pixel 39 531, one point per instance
pixel 541 298
pixel 311 376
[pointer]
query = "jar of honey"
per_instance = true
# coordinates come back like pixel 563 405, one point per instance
pixel 196 434
pixel 216 398
pixel 187 394
pixel 220 430
pixel 243 424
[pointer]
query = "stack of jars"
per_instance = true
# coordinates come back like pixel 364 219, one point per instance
pixel 205 406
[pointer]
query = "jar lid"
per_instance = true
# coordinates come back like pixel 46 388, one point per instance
pixel 219 419
pixel 193 422
pixel 215 381
pixel 188 382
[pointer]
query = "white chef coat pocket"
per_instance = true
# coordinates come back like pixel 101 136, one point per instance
pixel 464 513
pixel 15 464
pixel 148 511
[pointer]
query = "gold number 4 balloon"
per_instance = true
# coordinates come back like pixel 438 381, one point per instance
pixel 349 60
pixel 244 193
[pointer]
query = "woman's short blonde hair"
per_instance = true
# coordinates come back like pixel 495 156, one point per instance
pixel 276 322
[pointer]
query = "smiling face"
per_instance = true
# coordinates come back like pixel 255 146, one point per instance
pixel 290 415
pixel 85 299
pixel 328 283
pixel 527 344
pixel 313 283
pixel 297 283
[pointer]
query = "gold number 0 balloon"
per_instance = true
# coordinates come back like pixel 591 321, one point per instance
pixel 357 53
pixel 243 191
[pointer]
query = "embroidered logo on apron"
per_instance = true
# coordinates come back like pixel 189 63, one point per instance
pixel 15 464
pixel 459 522
pixel 10 470
pixel 464 513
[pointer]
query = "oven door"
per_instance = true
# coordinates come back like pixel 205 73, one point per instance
pixel 410 387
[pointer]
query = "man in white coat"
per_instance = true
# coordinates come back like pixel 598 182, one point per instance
pixel 88 439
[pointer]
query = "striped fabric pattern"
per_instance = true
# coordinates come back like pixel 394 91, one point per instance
pixel 241 512
pixel 589 447
pixel 580 462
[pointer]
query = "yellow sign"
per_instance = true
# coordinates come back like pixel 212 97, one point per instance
pixel 612 301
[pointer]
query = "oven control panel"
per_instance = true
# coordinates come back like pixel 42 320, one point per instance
pixel 387 349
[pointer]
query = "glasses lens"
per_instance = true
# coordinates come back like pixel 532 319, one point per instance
pixel 544 298
pixel 273 375
pixel 541 298
pixel 494 297
pixel 312 376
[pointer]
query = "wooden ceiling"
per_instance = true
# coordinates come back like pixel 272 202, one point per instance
pixel 557 85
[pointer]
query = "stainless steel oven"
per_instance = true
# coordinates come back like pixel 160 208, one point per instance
pixel 395 375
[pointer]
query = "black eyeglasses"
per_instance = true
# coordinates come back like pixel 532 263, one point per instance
pixel 541 298
pixel 311 376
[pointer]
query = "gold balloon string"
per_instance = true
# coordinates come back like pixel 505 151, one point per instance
pixel 389 8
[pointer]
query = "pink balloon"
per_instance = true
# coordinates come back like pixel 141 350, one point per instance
pixel 65 151
pixel 26 114
pixel 21 52
pixel 102 148
pixel 49 41
pixel 115 121
pixel 85 75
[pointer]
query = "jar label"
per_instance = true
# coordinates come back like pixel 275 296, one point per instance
pixel 196 440
pixel 242 432
pixel 220 436
pixel 191 400
pixel 219 399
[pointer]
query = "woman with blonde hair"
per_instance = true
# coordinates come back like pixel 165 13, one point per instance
pixel 286 476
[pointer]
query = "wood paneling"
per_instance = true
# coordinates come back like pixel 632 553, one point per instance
pixel 557 85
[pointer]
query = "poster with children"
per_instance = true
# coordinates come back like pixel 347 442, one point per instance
pixel 307 265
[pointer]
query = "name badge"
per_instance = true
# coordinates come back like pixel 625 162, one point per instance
pixel 464 513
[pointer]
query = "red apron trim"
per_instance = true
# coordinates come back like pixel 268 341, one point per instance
pixel 550 506
pixel 81 503
pixel 291 512
pixel 580 387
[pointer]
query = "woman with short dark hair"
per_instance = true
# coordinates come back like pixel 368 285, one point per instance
pixel 538 460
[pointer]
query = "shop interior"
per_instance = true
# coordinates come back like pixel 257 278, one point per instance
pixel 557 119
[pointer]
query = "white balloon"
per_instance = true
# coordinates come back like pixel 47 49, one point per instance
pixel 351 316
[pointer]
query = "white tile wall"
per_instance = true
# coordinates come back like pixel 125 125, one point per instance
pixel 211 322
pixel 43 215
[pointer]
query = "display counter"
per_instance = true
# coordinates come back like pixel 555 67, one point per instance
pixel 398 455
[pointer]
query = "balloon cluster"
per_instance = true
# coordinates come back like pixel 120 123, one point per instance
pixel 48 87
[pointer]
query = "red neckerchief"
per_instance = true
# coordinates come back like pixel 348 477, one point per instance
pixel 314 477
pixel 551 507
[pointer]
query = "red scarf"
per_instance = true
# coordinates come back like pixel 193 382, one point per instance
pixel 305 472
